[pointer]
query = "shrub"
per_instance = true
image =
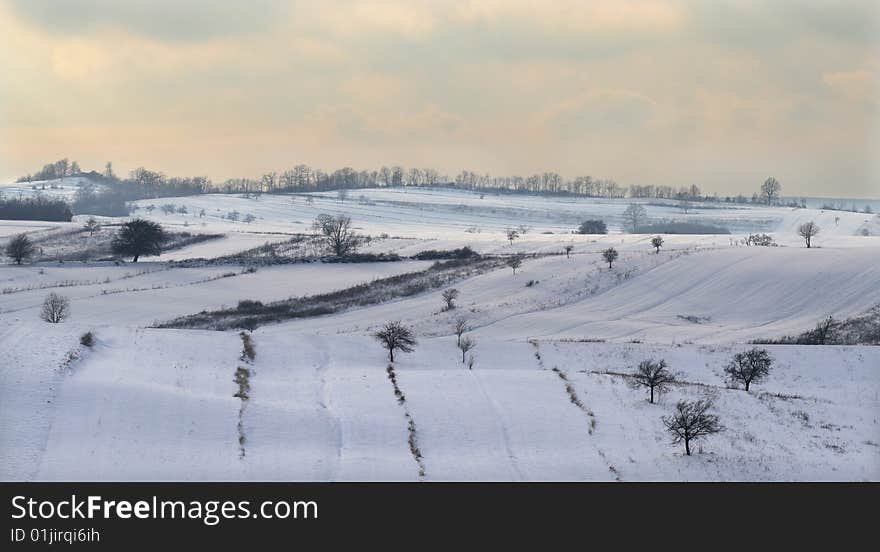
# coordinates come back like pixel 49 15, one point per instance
pixel 593 227
pixel 434 254
pixel 87 339
pixel 55 308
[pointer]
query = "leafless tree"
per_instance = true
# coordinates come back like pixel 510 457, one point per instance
pixel 342 194
pixel 20 248
pixel 91 226
pixel 634 216
pixel 749 366
pixel 653 375
pixel 807 231
pixel 515 262
pixel 568 250
pixel 512 234
pixel 338 233
pixel 691 421
pixel 610 255
pixel 55 308
pixel 466 344
pixel 770 190
pixel 461 326
pixel 657 242
pixel 449 297
pixel 394 336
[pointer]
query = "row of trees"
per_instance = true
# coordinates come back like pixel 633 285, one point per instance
pixel 52 171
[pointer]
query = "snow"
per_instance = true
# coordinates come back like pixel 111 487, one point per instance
pixel 150 404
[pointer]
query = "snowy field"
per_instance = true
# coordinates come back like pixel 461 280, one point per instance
pixel 545 398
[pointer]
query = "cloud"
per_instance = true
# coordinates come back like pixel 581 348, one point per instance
pixel 853 85
pixel 176 20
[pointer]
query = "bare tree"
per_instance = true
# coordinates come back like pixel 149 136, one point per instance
pixel 512 234
pixel 657 242
pixel 807 231
pixel 770 190
pixel 20 248
pixel 55 308
pixel 394 336
pixel 515 262
pixel 466 344
pixel 634 216
pixel 691 421
pixel 342 194
pixel 822 334
pixel 338 233
pixel 610 255
pixel 749 366
pixel 652 375
pixel 449 297
pixel 91 226
pixel 461 326
pixel 568 250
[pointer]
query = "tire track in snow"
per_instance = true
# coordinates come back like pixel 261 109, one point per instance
pixel 323 400
pixel 502 428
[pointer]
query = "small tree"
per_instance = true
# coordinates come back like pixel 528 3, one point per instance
pixel 749 366
pixel 610 255
pixel 514 262
pixel 91 226
pixel 394 336
pixel 139 237
pixel 807 231
pixel 691 421
pixel 461 326
pixel 337 232
pixel 633 216
pixel 657 242
pixel 449 297
pixel 770 190
pixel 652 375
pixel 20 248
pixel 568 250
pixel 593 227
pixel 466 343
pixel 55 308
pixel 511 235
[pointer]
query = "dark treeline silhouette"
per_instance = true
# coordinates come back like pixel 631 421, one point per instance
pixel 38 207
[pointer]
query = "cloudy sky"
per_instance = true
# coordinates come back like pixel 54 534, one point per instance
pixel 718 93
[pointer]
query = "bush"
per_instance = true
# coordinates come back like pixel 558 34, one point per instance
pixel 762 240
pixel 55 308
pixel 593 227
pixel 434 254
pixel 87 339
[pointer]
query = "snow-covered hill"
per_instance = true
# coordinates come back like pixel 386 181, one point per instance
pixel 545 399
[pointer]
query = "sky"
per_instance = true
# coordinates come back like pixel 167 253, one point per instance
pixel 717 93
